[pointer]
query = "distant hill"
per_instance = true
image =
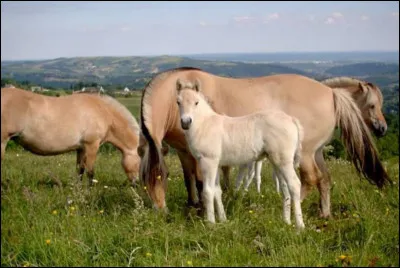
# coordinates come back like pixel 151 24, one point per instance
pixel 130 71
pixel 364 69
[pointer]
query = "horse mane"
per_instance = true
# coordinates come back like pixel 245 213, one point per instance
pixel 119 107
pixel 345 81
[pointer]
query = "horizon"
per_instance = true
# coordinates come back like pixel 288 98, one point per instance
pixel 48 30
pixel 200 54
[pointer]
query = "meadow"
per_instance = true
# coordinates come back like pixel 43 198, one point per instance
pixel 49 218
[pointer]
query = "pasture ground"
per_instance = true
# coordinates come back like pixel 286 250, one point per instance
pixel 49 218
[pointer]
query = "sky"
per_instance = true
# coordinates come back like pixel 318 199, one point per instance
pixel 47 30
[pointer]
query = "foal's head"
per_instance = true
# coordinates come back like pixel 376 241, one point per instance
pixel 190 101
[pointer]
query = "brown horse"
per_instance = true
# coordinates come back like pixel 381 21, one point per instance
pixel 48 125
pixel 318 107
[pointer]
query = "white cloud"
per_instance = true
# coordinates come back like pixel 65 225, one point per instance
pixel 240 19
pixel 273 16
pixel 329 20
pixel 364 17
pixel 337 15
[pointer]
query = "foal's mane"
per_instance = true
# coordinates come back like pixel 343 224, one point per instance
pixel 344 81
pixel 120 108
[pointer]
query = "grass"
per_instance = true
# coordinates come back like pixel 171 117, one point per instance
pixel 48 218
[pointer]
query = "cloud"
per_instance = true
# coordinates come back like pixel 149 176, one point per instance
pixel 270 17
pixel 364 17
pixel 337 15
pixel 329 20
pixel 242 19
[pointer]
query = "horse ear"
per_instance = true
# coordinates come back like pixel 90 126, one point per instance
pixel 178 84
pixel 362 87
pixel 197 85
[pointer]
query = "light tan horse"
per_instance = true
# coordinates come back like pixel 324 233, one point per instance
pixel 318 107
pixel 48 125
pixel 369 100
pixel 216 140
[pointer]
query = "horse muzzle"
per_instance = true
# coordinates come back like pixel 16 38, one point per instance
pixel 380 128
pixel 186 122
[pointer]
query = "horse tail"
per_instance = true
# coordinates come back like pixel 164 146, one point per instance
pixel 358 139
pixel 300 136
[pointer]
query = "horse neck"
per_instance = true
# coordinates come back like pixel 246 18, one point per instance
pixel 204 112
pixel 123 137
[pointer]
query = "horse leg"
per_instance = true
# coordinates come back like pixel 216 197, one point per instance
pixel 239 178
pixel 225 172
pixel 209 168
pixel 258 175
pixel 250 175
pixel 293 183
pixel 218 200
pixel 80 162
pixel 275 178
pixel 3 149
pixel 188 166
pixel 324 185
pixel 286 199
pixel 308 174
pixel 90 157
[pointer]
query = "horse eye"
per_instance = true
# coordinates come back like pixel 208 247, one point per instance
pixel 372 106
pixel 197 102
pixel 178 102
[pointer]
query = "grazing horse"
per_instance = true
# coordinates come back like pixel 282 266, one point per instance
pixel 47 125
pixel 318 107
pixel 216 140
pixel 369 100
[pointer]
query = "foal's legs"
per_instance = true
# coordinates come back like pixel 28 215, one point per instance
pixel 218 199
pixel 250 175
pixel 287 201
pixel 258 175
pixel 324 185
pixel 242 172
pixel 275 178
pixel 225 171
pixel 293 183
pixel 209 168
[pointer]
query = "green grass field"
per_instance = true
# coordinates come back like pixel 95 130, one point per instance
pixel 48 218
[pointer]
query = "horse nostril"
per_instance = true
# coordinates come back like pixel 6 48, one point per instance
pixel 190 121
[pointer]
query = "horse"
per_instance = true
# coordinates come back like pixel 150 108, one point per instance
pixel 369 100
pixel 46 125
pixel 318 107
pixel 216 140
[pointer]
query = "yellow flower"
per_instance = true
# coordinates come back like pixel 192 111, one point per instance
pixel 262 196
pixel 251 212
pixel 148 254
pixel 189 263
pixel 342 257
pixel 54 212
pixel 145 187
pixel 105 186
pixel 95 181
pixel 159 177
pixel 72 208
pixel 101 211
pixel 26 264
pixel 48 241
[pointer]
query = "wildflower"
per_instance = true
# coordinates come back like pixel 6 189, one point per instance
pixel 251 212
pixel 48 241
pixel 159 177
pixel 387 211
pixel 189 263
pixel 145 187
pixel 270 222
pixel 262 196
pixel 101 211
pixel 342 257
pixel 105 186
pixel 54 212
pixel 95 181
pixel 148 254
pixel 72 208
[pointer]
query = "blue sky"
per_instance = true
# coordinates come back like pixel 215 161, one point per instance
pixel 45 30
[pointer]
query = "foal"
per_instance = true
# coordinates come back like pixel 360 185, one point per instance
pixel 217 140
